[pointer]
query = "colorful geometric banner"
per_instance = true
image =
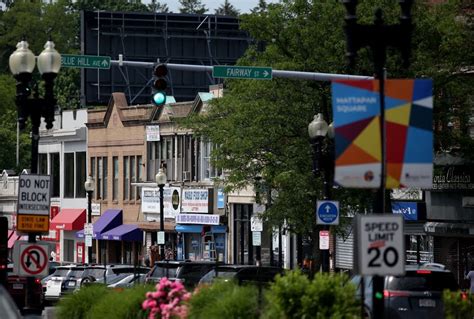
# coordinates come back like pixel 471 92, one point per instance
pixel 408 138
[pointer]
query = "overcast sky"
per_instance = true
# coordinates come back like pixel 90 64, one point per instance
pixel 242 5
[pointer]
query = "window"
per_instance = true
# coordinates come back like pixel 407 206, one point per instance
pixel 208 170
pixel 92 173
pixel 68 250
pixel 99 173
pixel 80 174
pixel 115 178
pixel 43 164
pixel 133 176
pixel 126 177
pixel 54 167
pixel 69 175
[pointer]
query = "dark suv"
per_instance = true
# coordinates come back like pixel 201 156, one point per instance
pixel 242 274
pixel 418 294
pixel 188 272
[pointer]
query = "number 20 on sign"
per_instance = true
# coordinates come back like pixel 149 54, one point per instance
pixel 380 248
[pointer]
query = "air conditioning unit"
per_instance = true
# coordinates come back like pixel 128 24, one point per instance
pixel 186 176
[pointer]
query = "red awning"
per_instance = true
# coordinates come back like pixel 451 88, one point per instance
pixel 69 219
pixel 12 238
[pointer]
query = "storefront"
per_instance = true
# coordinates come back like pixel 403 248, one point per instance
pixel 123 244
pixel 201 236
pixel 110 219
pixel 63 228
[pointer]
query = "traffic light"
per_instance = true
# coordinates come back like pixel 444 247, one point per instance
pixel 159 84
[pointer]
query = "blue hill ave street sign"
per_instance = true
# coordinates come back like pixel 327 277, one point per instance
pixel 327 213
pixel 85 61
pixel 242 72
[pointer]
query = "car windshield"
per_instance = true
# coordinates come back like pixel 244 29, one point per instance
pixel 160 271
pixel 414 281
pixel 221 273
pixel 61 272
pixel 94 272
pixel 117 278
pixel 76 273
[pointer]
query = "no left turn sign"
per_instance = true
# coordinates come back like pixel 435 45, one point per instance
pixel 33 260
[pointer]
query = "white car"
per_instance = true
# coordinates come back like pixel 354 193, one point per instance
pixel 55 283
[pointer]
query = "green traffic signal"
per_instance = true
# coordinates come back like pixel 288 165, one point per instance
pixel 159 98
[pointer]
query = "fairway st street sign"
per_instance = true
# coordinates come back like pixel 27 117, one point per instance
pixel 85 61
pixel 33 203
pixel 242 72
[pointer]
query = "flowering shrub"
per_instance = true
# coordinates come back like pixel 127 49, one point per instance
pixel 168 301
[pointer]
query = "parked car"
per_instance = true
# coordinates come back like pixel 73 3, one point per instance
pixel 112 271
pixel 52 291
pixel 417 294
pixel 8 307
pixel 188 272
pixel 242 274
pixel 126 280
pixel 16 287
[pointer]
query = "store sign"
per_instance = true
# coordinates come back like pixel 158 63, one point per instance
pixel 409 210
pixel 199 219
pixel 171 202
pixel 196 201
pixel 453 178
pixel 220 199
pixel 152 133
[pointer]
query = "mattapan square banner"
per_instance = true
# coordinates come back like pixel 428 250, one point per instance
pixel 408 138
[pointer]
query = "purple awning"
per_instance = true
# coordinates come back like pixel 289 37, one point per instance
pixel 123 232
pixel 111 218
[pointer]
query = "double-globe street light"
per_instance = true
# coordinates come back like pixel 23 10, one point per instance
pixel 161 181
pixel 323 160
pixel 89 185
pixel 22 63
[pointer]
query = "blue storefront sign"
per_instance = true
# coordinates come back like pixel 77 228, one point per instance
pixel 409 210
pixel 220 198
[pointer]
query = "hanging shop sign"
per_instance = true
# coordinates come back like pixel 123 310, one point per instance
pixel 197 200
pixel 151 202
pixel 199 219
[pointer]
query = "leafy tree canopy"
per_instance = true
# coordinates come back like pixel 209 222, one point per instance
pixel 227 9
pixel 192 6
pixel 261 126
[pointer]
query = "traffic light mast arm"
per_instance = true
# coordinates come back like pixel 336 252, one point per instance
pixel 314 76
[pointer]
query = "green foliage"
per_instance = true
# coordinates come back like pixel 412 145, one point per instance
pixel 326 296
pixel 126 304
pixel 224 300
pixel 227 9
pixel 78 305
pixel 457 307
pixel 192 6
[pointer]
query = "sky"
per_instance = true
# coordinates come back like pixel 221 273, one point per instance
pixel 243 5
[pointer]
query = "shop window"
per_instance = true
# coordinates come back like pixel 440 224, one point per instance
pixel 80 174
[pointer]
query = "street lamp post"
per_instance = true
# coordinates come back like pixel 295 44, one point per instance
pixel 379 37
pixel 22 64
pixel 318 129
pixel 89 185
pixel 161 181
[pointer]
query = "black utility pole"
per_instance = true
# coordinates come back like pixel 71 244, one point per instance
pixel 161 181
pixel 379 37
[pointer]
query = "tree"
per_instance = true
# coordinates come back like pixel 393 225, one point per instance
pixel 261 126
pixel 227 9
pixel 261 7
pixel 156 6
pixel 192 6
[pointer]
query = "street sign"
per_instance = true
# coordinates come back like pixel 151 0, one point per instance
pixel 161 238
pixel 33 203
pixel 380 248
pixel 85 61
pixel 324 239
pixel 33 259
pixel 88 229
pixel 256 238
pixel 88 240
pixel 327 212
pixel 256 223
pixel 242 72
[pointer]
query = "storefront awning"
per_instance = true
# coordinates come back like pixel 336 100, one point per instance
pixel 69 219
pixel 217 229
pixel 111 218
pixel 123 232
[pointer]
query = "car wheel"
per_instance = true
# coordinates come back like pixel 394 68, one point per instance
pixel 87 280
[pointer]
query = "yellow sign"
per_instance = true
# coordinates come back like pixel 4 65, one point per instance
pixel 32 223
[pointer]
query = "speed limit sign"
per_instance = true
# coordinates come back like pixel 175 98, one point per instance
pixel 380 248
